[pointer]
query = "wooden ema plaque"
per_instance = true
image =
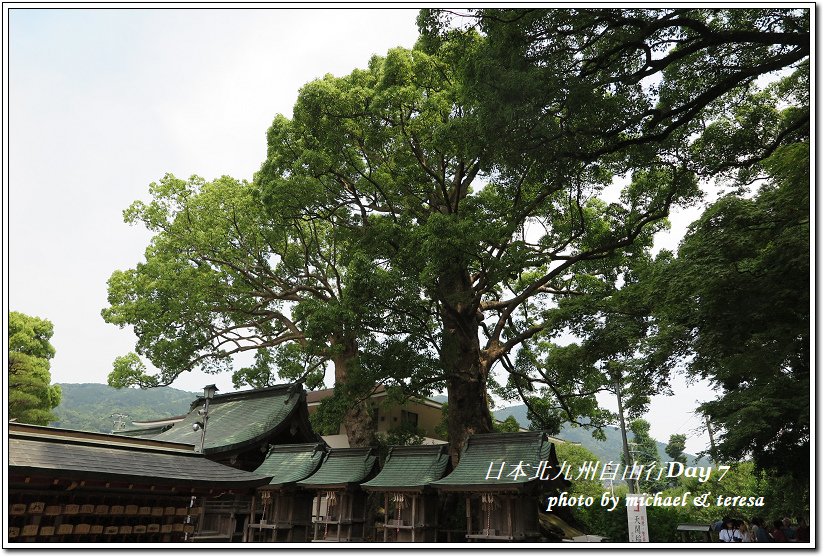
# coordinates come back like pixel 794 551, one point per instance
pixel 87 509
pixel 29 530
pixel 101 509
pixel 13 532
pixel 166 528
pixel 72 509
pixel 169 511
pixel 65 529
pixel 125 529
pixel 116 509
pixel 130 510
pixel 153 528
pixel 52 510
pixel 140 529
pixel 110 530
pixel 144 511
pixel 82 529
pixel 157 511
pixel 18 509
pixel 96 529
pixel 47 531
pixel 37 507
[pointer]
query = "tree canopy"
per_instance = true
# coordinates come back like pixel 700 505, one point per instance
pixel 451 210
pixel 227 273
pixel 31 395
pixel 735 305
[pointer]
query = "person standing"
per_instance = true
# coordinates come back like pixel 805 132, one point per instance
pixel 761 534
pixel 744 531
pixel 802 533
pixel 729 533
pixel 787 528
pixel 778 532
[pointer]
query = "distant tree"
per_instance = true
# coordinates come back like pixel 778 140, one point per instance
pixel 31 395
pixel 645 452
pixel 675 447
pixel 509 425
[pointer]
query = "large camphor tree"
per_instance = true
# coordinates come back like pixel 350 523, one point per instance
pixel 471 170
pixel 475 161
pixel 226 273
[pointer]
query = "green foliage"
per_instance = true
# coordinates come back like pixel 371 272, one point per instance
pixel 31 396
pixel 644 451
pixel 128 370
pixel 737 304
pixel 509 425
pixel 234 267
pixel 654 96
pixel 675 448
pixel 741 480
pixel 560 383
pixel 401 435
pixel 401 155
pixel 595 519
pixel 419 220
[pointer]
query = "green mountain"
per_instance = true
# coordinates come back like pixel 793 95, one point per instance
pixel 90 406
pixel 607 450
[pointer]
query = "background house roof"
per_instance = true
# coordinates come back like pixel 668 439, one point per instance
pixel 490 451
pixel 288 464
pixel 412 467
pixel 341 467
pixel 73 457
pixel 238 419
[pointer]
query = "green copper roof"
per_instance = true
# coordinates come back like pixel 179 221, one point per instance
pixel 411 468
pixel 237 419
pixel 341 467
pixel 288 464
pixel 496 449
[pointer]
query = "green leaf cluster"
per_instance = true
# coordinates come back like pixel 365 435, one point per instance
pixel 31 394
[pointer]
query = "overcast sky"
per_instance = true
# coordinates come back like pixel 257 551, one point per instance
pixel 103 102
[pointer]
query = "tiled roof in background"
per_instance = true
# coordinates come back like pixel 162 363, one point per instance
pixel 75 458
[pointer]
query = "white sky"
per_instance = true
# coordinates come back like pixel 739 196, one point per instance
pixel 103 102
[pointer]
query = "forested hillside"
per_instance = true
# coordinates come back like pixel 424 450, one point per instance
pixel 609 449
pixel 89 406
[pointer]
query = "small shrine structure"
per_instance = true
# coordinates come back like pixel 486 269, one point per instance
pixel 340 504
pixel 410 505
pixel 504 477
pixel 281 511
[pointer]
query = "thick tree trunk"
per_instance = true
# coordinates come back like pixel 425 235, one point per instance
pixel 466 377
pixel 357 420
